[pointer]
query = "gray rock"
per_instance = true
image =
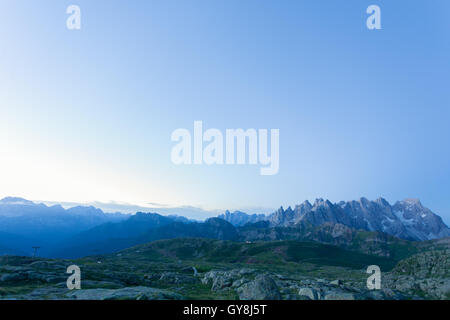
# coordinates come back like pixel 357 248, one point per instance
pixel 238 283
pixel 262 288
pixel 336 283
pixel 45 293
pixel 130 293
pixel 246 271
pixel 221 280
pixel 312 294
pixel 221 283
pixel 210 276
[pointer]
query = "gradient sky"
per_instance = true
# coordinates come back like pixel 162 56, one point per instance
pixel 87 115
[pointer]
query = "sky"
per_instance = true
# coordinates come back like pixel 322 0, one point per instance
pixel 87 115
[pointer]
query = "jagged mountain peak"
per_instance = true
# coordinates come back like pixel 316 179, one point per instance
pixel 306 205
pixel 383 202
pixel 321 202
pixel 407 219
pixel 318 201
pixel 411 202
pixel 364 201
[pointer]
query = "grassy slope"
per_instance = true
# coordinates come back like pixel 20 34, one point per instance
pixel 203 251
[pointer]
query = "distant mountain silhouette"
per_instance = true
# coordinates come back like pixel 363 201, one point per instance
pixel 46 226
pixel 239 218
pixel 141 228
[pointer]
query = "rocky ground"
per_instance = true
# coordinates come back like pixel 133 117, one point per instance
pixel 426 274
pixel 249 285
pixel 162 271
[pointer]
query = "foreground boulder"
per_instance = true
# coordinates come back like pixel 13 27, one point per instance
pixel 310 293
pixel 221 280
pixel 262 288
pixel 130 293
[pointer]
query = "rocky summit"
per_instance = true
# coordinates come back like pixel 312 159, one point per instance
pixel 407 219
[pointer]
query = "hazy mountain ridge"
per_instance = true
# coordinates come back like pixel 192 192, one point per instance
pixel 142 228
pixel 81 231
pixel 239 218
pixel 371 227
pixel 45 226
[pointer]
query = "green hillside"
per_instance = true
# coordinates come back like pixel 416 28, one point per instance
pixel 276 254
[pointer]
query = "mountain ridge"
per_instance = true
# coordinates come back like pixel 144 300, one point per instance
pixel 407 219
pixel 366 226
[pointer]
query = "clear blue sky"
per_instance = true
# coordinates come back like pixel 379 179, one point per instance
pixel 87 115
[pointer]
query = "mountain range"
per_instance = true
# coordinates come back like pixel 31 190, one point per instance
pixel 366 226
pixel 24 224
pixel 407 219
